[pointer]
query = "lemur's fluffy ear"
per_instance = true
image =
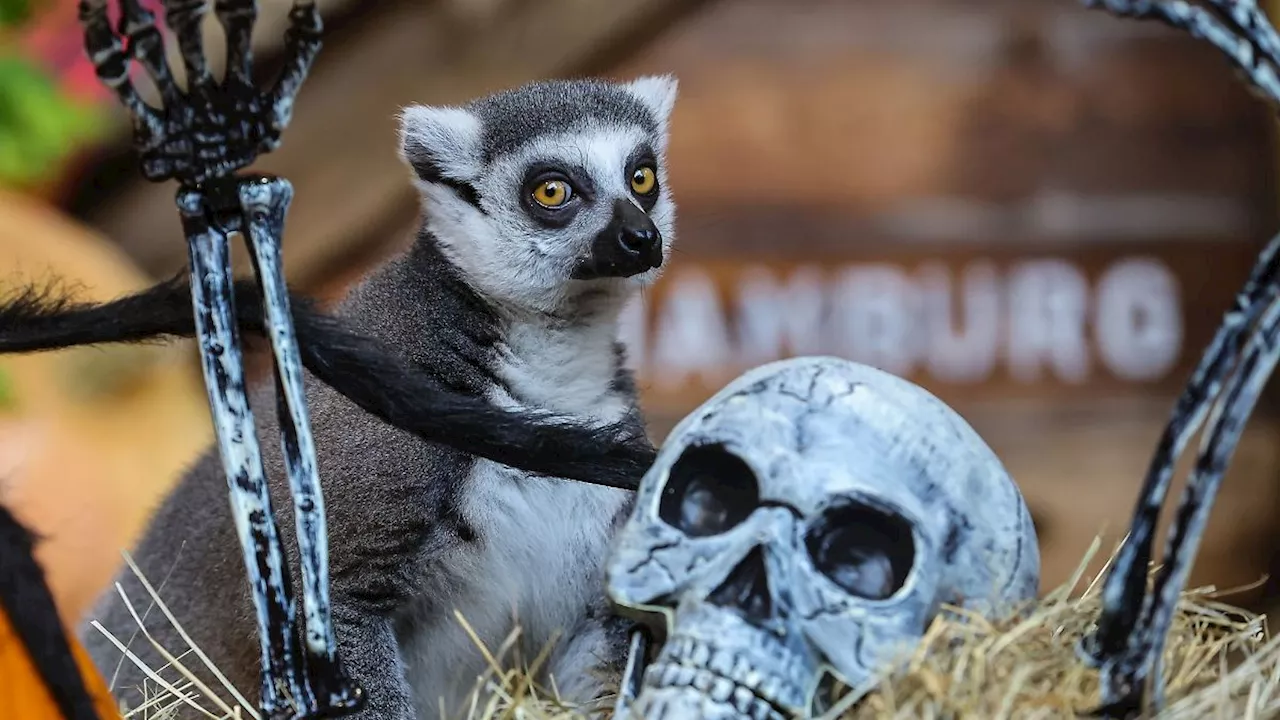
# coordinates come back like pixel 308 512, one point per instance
pixel 658 93
pixel 440 142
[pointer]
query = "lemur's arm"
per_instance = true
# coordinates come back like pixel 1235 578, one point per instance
pixel 359 367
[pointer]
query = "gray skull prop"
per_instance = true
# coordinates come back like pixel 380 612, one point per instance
pixel 811 517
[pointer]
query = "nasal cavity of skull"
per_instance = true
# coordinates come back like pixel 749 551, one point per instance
pixel 709 490
pixel 747 590
pixel 868 551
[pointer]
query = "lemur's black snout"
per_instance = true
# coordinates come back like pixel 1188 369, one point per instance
pixel 629 245
pixel 639 240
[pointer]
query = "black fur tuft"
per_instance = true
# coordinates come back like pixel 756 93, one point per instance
pixel 361 368
pixel 47 318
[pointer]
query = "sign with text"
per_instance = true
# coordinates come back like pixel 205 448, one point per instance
pixel 1097 321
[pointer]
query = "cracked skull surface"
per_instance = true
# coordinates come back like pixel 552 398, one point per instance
pixel 809 518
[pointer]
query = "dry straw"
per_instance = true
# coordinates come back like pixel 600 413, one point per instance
pixel 1220 663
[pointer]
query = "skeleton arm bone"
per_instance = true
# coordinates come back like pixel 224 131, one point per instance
pixel 1133 626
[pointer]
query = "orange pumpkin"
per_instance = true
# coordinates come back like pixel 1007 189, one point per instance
pixel 23 692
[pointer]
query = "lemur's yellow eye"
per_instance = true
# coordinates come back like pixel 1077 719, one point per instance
pixel 644 180
pixel 552 193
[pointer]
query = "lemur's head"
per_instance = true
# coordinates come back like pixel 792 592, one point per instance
pixel 551 190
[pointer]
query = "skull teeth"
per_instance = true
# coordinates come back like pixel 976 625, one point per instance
pixel 723 691
pixel 691 662
pixel 743 699
pixel 761 710
pixel 702 680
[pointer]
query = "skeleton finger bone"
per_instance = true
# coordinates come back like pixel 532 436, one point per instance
pixel 185 18
pixel 138 27
pixel 1242 32
pixel 112 65
pixel 211 131
pixel 1251 22
pixel 237 18
pixel 302 44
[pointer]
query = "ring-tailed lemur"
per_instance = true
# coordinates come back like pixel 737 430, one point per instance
pixel 544 209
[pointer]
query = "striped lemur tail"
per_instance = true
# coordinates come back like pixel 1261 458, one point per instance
pixel 359 367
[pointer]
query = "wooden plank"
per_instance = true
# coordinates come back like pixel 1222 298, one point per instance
pixel 981 101
pixel 1043 219
pixel 340 153
pixel 898 129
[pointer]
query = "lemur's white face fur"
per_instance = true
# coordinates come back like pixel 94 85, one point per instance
pixel 549 192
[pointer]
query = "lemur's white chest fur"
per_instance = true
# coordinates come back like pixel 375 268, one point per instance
pixel 549 538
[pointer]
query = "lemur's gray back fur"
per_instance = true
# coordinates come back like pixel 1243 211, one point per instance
pixel 418 530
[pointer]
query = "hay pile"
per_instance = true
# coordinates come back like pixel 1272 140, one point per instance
pixel 1221 663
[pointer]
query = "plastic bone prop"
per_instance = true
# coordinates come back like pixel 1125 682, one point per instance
pixel 811 516
pixel 201 137
pixel 1129 640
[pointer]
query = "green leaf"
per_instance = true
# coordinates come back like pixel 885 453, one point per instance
pixel 14 12
pixel 39 125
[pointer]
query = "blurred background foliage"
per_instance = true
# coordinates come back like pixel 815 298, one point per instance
pixel 43 121
pixel 13 12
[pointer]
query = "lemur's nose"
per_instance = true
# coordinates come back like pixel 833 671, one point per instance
pixel 637 236
pixel 639 240
pixel 629 245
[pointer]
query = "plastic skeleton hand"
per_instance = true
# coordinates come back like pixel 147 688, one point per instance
pixel 1129 640
pixel 214 128
pixel 200 138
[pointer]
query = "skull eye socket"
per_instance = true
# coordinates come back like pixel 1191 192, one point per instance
pixel 709 490
pixel 868 551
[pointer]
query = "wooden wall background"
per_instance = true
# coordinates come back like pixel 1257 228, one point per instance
pixel 1037 211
